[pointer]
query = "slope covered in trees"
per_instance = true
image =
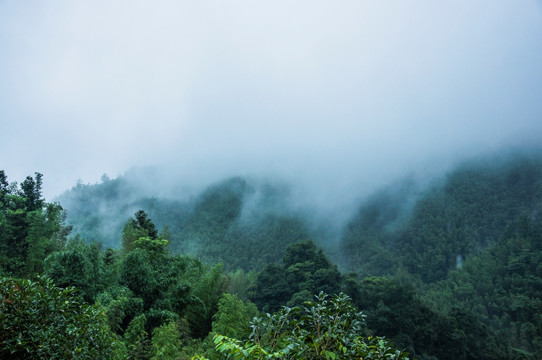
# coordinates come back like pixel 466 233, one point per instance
pixel 455 218
pixel 233 221
pixel 503 287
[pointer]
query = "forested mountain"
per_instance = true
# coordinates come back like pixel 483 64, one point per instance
pixel 502 286
pixel 453 219
pixel 234 221
pixel 425 231
pixel 448 270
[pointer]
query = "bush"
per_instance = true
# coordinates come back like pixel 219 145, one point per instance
pixel 41 321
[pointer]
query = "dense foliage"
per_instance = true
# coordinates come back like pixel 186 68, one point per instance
pixel 228 219
pixel 304 271
pixel 30 229
pixel 394 310
pixel 42 321
pixel 503 287
pixel 468 211
pixel 329 328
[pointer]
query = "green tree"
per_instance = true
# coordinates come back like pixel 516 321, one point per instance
pixel 233 316
pixel 42 321
pixel 166 342
pixel 271 290
pixel 30 228
pixel 45 235
pixel 31 192
pixel 305 270
pixel 139 275
pixel 4 186
pixel 136 339
pixel 207 291
pixel 78 265
pixel 328 328
pixel 240 282
pixel 134 229
pixel 121 307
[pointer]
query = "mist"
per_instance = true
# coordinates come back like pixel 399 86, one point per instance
pixel 334 99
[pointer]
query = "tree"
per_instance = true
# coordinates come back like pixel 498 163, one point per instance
pixel 325 329
pixel 138 274
pixel 31 192
pixel 134 229
pixel 45 235
pixel 78 265
pixel 166 342
pixel 271 290
pixel 305 270
pixel 30 228
pixel 42 321
pixel 206 292
pixel 233 316
pixel 137 339
pixel 4 186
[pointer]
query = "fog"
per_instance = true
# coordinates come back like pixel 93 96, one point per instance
pixel 337 99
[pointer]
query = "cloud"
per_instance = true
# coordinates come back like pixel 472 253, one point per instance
pixel 339 97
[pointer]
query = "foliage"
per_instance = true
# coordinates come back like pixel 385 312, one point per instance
pixel 137 339
pixel 326 329
pixel 304 270
pixel 30 228
pixel 428 233
pixel 218 225
pixel 136 229
pixel 240 282
pixel 504 287
pixel 395 310
pixel 78 265
pixel 451 271
pixel 233 316
pixel 41 321
pixel 207 293
pixel 166 342
pixel 232 319
pixel 271 289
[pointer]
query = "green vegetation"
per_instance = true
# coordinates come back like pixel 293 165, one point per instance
pixel 329 328
pixel 41 321
pixel 454 219
pixel 30 229
pixel 449 271
pixel 304 271
pixel 503 287
pixel 212 226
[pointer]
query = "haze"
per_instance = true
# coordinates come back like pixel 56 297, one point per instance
pixel 333 96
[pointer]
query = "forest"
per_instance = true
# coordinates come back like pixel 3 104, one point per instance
pixel 448 269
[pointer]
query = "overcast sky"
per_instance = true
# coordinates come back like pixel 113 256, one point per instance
pixel 336 94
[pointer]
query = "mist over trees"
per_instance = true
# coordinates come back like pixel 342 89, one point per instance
pixel 468 210
pixel 230 217
pixel 449 269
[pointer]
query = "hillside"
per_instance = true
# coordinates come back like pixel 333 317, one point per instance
pixel 423 231
pixel 241 224
pixel 430 232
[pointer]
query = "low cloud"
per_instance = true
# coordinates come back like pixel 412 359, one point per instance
pixel 337 99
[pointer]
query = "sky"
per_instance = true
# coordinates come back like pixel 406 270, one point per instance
pixel 335 96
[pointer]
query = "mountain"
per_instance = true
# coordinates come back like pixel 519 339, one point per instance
pixel 425 231
pixel 429 232
pixel 233 221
